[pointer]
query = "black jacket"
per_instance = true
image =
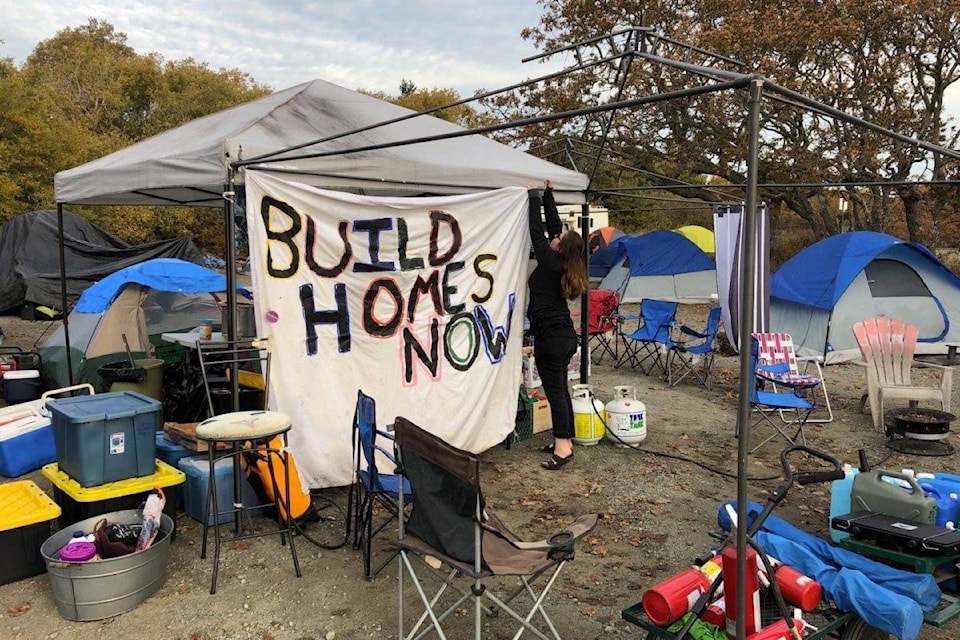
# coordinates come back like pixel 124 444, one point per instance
pixel 547 310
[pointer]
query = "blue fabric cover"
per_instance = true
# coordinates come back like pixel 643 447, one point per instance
pixel 818 275
pixel 162 274
pixel 604 258
pixel 661 253
pixel 887 598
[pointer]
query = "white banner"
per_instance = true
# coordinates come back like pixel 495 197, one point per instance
pixel 419 302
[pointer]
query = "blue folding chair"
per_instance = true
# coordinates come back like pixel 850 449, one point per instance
pixel 692 352
pixel 371 488
pixel 765 403
pixel 652 340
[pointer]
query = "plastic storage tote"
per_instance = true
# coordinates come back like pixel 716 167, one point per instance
pixel 172 453
pixel 79 503
pixel 106 437
pixel 100 589
pixel 26 514
pixel 197 471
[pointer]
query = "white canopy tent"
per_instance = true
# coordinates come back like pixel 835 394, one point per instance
pixel 190 165
pixel 316 133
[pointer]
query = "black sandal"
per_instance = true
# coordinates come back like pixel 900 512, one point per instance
pixel 547 448
pixel 556 462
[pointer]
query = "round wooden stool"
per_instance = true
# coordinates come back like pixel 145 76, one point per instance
pixel 246 432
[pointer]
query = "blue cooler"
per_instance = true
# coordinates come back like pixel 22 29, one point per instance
pixel 106 437
pixel 26 443
pixel 194 491
pixel 21 386
pixel 172 453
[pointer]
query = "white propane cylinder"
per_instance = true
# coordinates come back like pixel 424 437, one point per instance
pixel 587 415
pixel 626 417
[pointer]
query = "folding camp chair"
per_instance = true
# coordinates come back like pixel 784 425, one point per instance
pixel 652 340
pixel 449 525
pixel 692 352
pixel 794 401
pixel 602 324
pixel 371 488
pixel 777 348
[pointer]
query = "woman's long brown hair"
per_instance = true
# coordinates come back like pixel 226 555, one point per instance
pixel 573 282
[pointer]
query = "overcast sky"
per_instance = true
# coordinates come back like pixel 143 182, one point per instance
pixel 371 44
pixel 359 44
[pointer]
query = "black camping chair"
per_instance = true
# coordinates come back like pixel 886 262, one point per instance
pixel 449 526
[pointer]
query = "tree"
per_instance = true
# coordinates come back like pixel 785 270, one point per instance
pixel 887 62
pixel 85 93
pixel 417 99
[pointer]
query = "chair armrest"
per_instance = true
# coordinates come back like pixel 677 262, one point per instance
pixel 389 435
pixel 388 454
pixel 684 329
pixel 920 364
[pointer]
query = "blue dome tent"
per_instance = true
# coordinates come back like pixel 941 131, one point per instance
pixel 818 294
pixel 662 265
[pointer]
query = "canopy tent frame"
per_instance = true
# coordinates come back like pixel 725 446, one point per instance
pixel 638 39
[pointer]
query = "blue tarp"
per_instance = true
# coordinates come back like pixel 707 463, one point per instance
pixel 887 598
pixel 818 275
pixel 662 253
pixel 163 274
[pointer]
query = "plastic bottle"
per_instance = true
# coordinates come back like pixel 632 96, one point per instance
pixel 840 493
pixel 947 504
pixel 79 549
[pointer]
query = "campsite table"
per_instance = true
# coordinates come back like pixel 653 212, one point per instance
pixel 189 339
pixel 952 352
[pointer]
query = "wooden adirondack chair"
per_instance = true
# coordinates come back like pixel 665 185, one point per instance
pixel 888 346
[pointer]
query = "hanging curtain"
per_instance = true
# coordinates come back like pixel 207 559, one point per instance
pixel 728 233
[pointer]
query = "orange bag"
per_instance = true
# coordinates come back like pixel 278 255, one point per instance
pixel 257 463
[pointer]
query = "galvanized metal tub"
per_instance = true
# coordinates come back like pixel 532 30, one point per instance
pixel 100 589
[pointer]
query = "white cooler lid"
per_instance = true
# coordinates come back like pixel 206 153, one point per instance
pixel 21 427
pixel 22 374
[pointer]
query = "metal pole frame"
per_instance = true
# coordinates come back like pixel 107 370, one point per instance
pixel 230 329
pixel 747 312
pixel 63 292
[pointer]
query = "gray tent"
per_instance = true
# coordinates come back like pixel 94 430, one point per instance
pixel 189 165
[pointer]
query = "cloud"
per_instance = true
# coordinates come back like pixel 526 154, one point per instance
pixel 355 43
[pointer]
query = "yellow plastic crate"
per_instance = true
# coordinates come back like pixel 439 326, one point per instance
pixel 23 503
pixel 79 503
pixel 164 476
pixel 26 513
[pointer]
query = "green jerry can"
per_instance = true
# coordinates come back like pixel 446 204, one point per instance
pixel 894 494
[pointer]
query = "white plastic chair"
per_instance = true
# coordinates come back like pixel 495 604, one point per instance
pixel 888 346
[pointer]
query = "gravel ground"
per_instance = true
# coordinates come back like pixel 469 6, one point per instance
pixel 659 505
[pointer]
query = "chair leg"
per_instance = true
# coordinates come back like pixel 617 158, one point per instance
pixel 351 515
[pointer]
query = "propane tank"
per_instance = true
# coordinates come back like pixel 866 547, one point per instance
pixel 626 417
pixel 587 412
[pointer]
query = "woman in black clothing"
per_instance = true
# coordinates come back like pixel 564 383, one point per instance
pixel 560 275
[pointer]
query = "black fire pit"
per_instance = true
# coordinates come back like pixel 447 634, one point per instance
pixel 921 431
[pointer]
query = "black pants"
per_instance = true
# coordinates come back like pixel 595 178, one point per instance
pixel 552 354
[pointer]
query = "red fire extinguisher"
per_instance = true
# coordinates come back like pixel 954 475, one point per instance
pixel 751 590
